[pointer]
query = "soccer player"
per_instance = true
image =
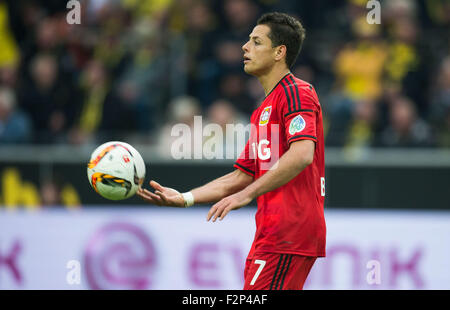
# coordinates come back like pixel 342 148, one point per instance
pixel 282 165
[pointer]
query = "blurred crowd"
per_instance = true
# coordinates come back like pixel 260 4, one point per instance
pixel 132 68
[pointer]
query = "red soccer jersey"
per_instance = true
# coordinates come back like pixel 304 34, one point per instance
pixel 289 219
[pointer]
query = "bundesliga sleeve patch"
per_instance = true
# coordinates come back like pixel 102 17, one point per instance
pixel 297 125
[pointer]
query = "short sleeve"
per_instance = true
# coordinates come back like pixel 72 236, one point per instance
pixel 299 114
pixel 245 162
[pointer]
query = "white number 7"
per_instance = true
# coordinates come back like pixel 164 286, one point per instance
pixel 261 264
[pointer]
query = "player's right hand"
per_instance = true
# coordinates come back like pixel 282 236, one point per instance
pixel 163 196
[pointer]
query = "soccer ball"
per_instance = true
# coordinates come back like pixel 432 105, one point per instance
pixel 116 170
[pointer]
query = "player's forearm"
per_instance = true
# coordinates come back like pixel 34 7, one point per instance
pixel 221 187
pixel 288 167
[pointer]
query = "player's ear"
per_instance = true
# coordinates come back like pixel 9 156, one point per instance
pixel 280 52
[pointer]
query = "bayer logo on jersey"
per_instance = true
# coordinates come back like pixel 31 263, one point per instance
pixel 297 124
pixel 265 115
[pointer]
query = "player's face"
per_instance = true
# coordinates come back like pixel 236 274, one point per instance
pixel 259 55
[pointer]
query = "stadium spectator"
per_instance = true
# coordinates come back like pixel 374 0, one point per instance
pixel 197 23
pixel 49 100
pixel 239 16
pixel 9 51
pixel 440 105
pixel 54 191
pixel 181 111
pixel 15 126
pixel 438 12
pixel 406 61
pixel 359 65
pixel 101 114
pixel 141 86
pixel 405 128
pixel 222 113
pixel 50 193
pixel 358 68
pixel 233 88
pixel 9 75
pixel 361 132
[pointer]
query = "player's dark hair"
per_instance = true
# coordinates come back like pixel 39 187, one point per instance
pixel 285 30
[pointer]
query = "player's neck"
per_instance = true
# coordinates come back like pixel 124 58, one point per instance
pixel 271 79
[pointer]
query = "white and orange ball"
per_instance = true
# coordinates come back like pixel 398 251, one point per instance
pixel 116 170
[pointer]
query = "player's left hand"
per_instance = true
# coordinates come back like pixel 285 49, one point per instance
pixel 232 202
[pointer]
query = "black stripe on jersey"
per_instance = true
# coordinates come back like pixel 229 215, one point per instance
pixel 276 271
pixel 297 93
pixel 285 272
pixel 276 85
pixel 291 91
pixel 301 136
pixel 289 95
pixel 281 272
pixel 301 110
pixel 246 169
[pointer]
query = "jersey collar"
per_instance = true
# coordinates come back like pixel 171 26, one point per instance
pixel 276 85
